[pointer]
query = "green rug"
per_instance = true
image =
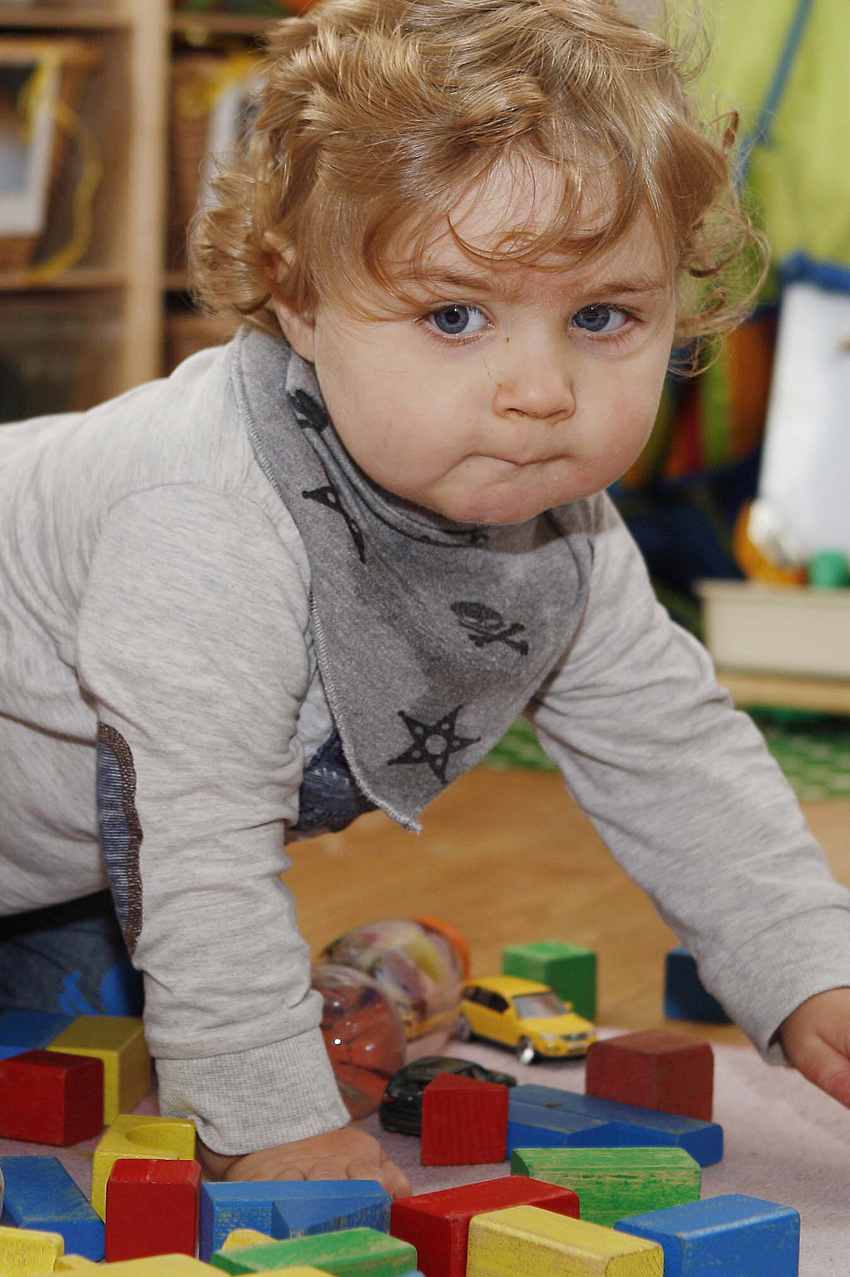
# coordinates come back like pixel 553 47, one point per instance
pixel 813 751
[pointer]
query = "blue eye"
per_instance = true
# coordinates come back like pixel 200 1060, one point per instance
pixel 599 319
pixel 458 321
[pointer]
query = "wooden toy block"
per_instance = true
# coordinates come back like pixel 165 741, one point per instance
pixel 685 995
pixel 28 1252
pixel 535 1126
pixel 654 1070
pixel 283 1209
pixel 152 1208
pixel 732 1235
pixel 464 1122
pixel 139 1135
pixel 437 1224
pixel 75 1264
pixel 524 1240
pixel 118 1040
pixel 40 1194
pixel 154 1266
pixel 305 1213
pixel 29 1031
pixel 231 1206
pixel 356 1252
pixel 614 1182
pixel 242 1237
pixel 569 969
pixel 47 1097
pixel 637 1127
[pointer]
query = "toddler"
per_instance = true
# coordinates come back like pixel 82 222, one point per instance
pixel 321 569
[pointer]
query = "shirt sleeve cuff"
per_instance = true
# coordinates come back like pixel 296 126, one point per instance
pixel 255 1099
pixel 778 969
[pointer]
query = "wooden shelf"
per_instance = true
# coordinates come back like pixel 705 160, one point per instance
pixel 827 696
pixel 81 17
pixel 80 280
pixel 126 105
pixel 175 281
pixel 220 23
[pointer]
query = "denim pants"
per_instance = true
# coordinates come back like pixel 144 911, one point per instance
pixel 68 958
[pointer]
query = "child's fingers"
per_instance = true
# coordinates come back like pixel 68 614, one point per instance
pixel 387 1174
pixel 828 1068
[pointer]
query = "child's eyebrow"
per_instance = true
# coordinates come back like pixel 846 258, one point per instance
pixel 501 285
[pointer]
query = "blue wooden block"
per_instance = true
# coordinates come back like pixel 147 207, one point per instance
pixel 535 1126
pixel 685 995
pixel 637 1127
pixel 733 1235
pixel 310 1206
pixel 41 1194
pixel 327 1206
pixel 29 1031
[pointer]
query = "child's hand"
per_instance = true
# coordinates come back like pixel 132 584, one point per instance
pixel 342 1154
pixel 816 1038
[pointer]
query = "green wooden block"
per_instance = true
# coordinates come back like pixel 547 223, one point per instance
pixel 609 1180
pixel 354 1252
pixel 567 968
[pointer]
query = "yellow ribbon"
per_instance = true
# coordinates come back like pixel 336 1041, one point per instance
pixel 200 94
pixel 39 93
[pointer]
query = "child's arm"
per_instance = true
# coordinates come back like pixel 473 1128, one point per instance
pixel 191 644
pixel 686 795
pixel 343 1154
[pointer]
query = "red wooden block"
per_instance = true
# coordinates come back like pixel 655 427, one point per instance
pixel 437 1224
pixel 47 1097
pixel 656 1070
pixel 464 1122
pixel 152 1208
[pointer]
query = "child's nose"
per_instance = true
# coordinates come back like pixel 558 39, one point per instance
pixel 536 385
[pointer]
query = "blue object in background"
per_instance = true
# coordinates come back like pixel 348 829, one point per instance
pixel 22 1031
pixel 685 995
pixel 41 1194
pixel 729 1236
pixel 635 1127
pixel 68 959
pixel 300 1207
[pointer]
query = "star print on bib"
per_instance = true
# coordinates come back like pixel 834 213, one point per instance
pixel 433 743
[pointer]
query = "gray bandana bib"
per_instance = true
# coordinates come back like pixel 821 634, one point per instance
pixel 431 636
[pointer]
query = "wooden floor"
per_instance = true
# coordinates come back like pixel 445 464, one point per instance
pixel 507 857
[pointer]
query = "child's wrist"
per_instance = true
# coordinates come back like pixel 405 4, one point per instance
pixel 216 1164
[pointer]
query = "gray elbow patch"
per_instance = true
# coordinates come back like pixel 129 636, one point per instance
pixel 120 830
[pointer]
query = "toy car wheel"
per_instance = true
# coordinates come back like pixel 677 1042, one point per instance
pixel 463 1030
pixel 525 1051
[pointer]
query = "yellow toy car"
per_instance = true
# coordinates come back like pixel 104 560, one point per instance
pixel 525 1015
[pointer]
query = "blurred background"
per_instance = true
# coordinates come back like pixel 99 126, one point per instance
pixel 111 114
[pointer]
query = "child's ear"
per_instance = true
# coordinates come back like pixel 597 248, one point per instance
pixel 298 327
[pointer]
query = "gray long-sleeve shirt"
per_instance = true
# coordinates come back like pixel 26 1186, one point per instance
pixel 151 578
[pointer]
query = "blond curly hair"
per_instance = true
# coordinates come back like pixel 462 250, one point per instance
pixel 376 117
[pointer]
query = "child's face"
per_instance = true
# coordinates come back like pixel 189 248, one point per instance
pixel 507 389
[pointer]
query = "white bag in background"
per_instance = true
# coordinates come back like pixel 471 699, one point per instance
pixel 805 469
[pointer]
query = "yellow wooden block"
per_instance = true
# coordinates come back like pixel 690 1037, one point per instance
pixel 157 1266
pixel 525 1239
pixel 138 1135
pixel 118 1040
pixel 245 1237
pixel 74 1264
pixel 26 1252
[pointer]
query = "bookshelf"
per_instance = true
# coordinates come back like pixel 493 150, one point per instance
pixel 112 305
